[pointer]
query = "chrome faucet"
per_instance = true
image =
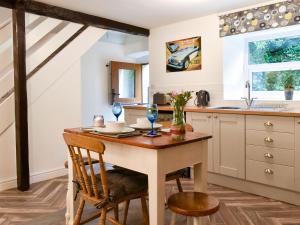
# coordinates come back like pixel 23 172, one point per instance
pixel 249 100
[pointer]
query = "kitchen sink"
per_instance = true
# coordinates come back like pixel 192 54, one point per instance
pixel 253 108
pixel 225 107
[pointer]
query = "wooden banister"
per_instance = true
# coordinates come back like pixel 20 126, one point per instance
pixel 42 64
pixel 5 23
pixel 60 48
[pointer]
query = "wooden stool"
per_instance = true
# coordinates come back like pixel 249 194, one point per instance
pixel 193 204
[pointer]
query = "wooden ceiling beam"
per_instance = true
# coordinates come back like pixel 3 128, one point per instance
pixel 56 12
pixel 7 3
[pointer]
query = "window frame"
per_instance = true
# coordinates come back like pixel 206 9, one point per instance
pixel 267 67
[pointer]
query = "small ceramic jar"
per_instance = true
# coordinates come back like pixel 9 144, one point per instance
pixel 98 121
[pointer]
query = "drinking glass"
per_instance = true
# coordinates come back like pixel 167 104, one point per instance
pixel 152 114
pixel 117 109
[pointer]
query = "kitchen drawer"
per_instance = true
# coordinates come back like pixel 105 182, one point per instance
pixel 271 174
pixel 201 115
pixel 270 139
pixel 270 155
pixel 270 123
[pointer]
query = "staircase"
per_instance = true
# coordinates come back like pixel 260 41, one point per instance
pixel 53 51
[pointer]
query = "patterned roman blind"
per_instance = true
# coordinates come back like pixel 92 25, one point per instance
pixel 271 16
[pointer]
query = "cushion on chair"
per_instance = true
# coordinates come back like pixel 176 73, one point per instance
pixel 122 182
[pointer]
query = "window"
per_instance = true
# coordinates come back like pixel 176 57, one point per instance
pixel 126 82
pixel 269 59
pixel 272 64
pixel 145 82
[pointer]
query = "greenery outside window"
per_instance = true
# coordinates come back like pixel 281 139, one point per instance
pixel 273 66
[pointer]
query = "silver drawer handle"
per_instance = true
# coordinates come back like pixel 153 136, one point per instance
pixel 268 156
pixel 269 171
pixel 268 124
pixel 269 140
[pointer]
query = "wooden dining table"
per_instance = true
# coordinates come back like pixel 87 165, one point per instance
pixel 154 157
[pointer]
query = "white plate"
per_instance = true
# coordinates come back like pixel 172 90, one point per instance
pixel 137 126
pixel 105 130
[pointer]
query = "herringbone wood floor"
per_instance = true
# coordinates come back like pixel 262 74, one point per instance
pixel 44 204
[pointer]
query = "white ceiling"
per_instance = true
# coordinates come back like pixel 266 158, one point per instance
pixel 151 13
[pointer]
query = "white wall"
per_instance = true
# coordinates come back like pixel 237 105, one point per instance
pixel 54 100
pixel 96 85
pixel 5 14
pixel 210 77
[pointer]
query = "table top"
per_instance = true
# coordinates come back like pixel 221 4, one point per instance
pixel 161 142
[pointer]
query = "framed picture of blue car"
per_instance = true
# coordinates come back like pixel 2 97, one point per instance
pixel 183 55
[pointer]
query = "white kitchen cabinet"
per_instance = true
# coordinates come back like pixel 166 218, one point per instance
pixel 227 147
pixel 297 153
pixel 229 144
pixel 270 157
pixel 202 122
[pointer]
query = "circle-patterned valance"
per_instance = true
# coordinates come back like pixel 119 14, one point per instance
pixel 271 16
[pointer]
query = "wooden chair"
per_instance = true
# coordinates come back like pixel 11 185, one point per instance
pixel 179 173
pixel 193 204
pixel 107 189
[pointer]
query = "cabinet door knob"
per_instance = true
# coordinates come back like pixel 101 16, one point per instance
pixel 298 122
pixel 269 140
pixel 268 124
pixel 208 117
pixel 268 156
pixel 269 171
pixel 216 117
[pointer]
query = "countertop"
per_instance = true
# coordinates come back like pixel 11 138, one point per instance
pixel 294 112
pixel 161 142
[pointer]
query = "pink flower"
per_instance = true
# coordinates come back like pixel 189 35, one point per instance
pixel 174 94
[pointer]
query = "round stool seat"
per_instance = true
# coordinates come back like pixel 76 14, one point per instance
pixel 193 204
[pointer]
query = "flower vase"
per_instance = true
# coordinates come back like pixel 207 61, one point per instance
pixel 178 123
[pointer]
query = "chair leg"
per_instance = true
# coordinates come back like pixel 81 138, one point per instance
pixel 179 186
pixel 103 216
pixel 126 212
pixel 173 219
pixel 116 212
pixel 79 212
pixel 212 219
pixel 145 211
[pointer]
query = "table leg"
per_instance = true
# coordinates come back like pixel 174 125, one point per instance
pixel 156 182
pixel 200 176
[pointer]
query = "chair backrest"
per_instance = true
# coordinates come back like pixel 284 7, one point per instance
pixel 80 146
pixel 168 124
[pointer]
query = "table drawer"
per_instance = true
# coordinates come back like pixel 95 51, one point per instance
pixel 270 155
pixel 270 123
pixel 270 139
pixel 271 174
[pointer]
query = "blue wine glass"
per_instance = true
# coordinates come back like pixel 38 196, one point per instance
pixel 152 114
pixel 117 109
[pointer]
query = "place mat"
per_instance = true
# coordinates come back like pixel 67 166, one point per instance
pixel 132 134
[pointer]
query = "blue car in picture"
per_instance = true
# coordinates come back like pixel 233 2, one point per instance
pixel 181 59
